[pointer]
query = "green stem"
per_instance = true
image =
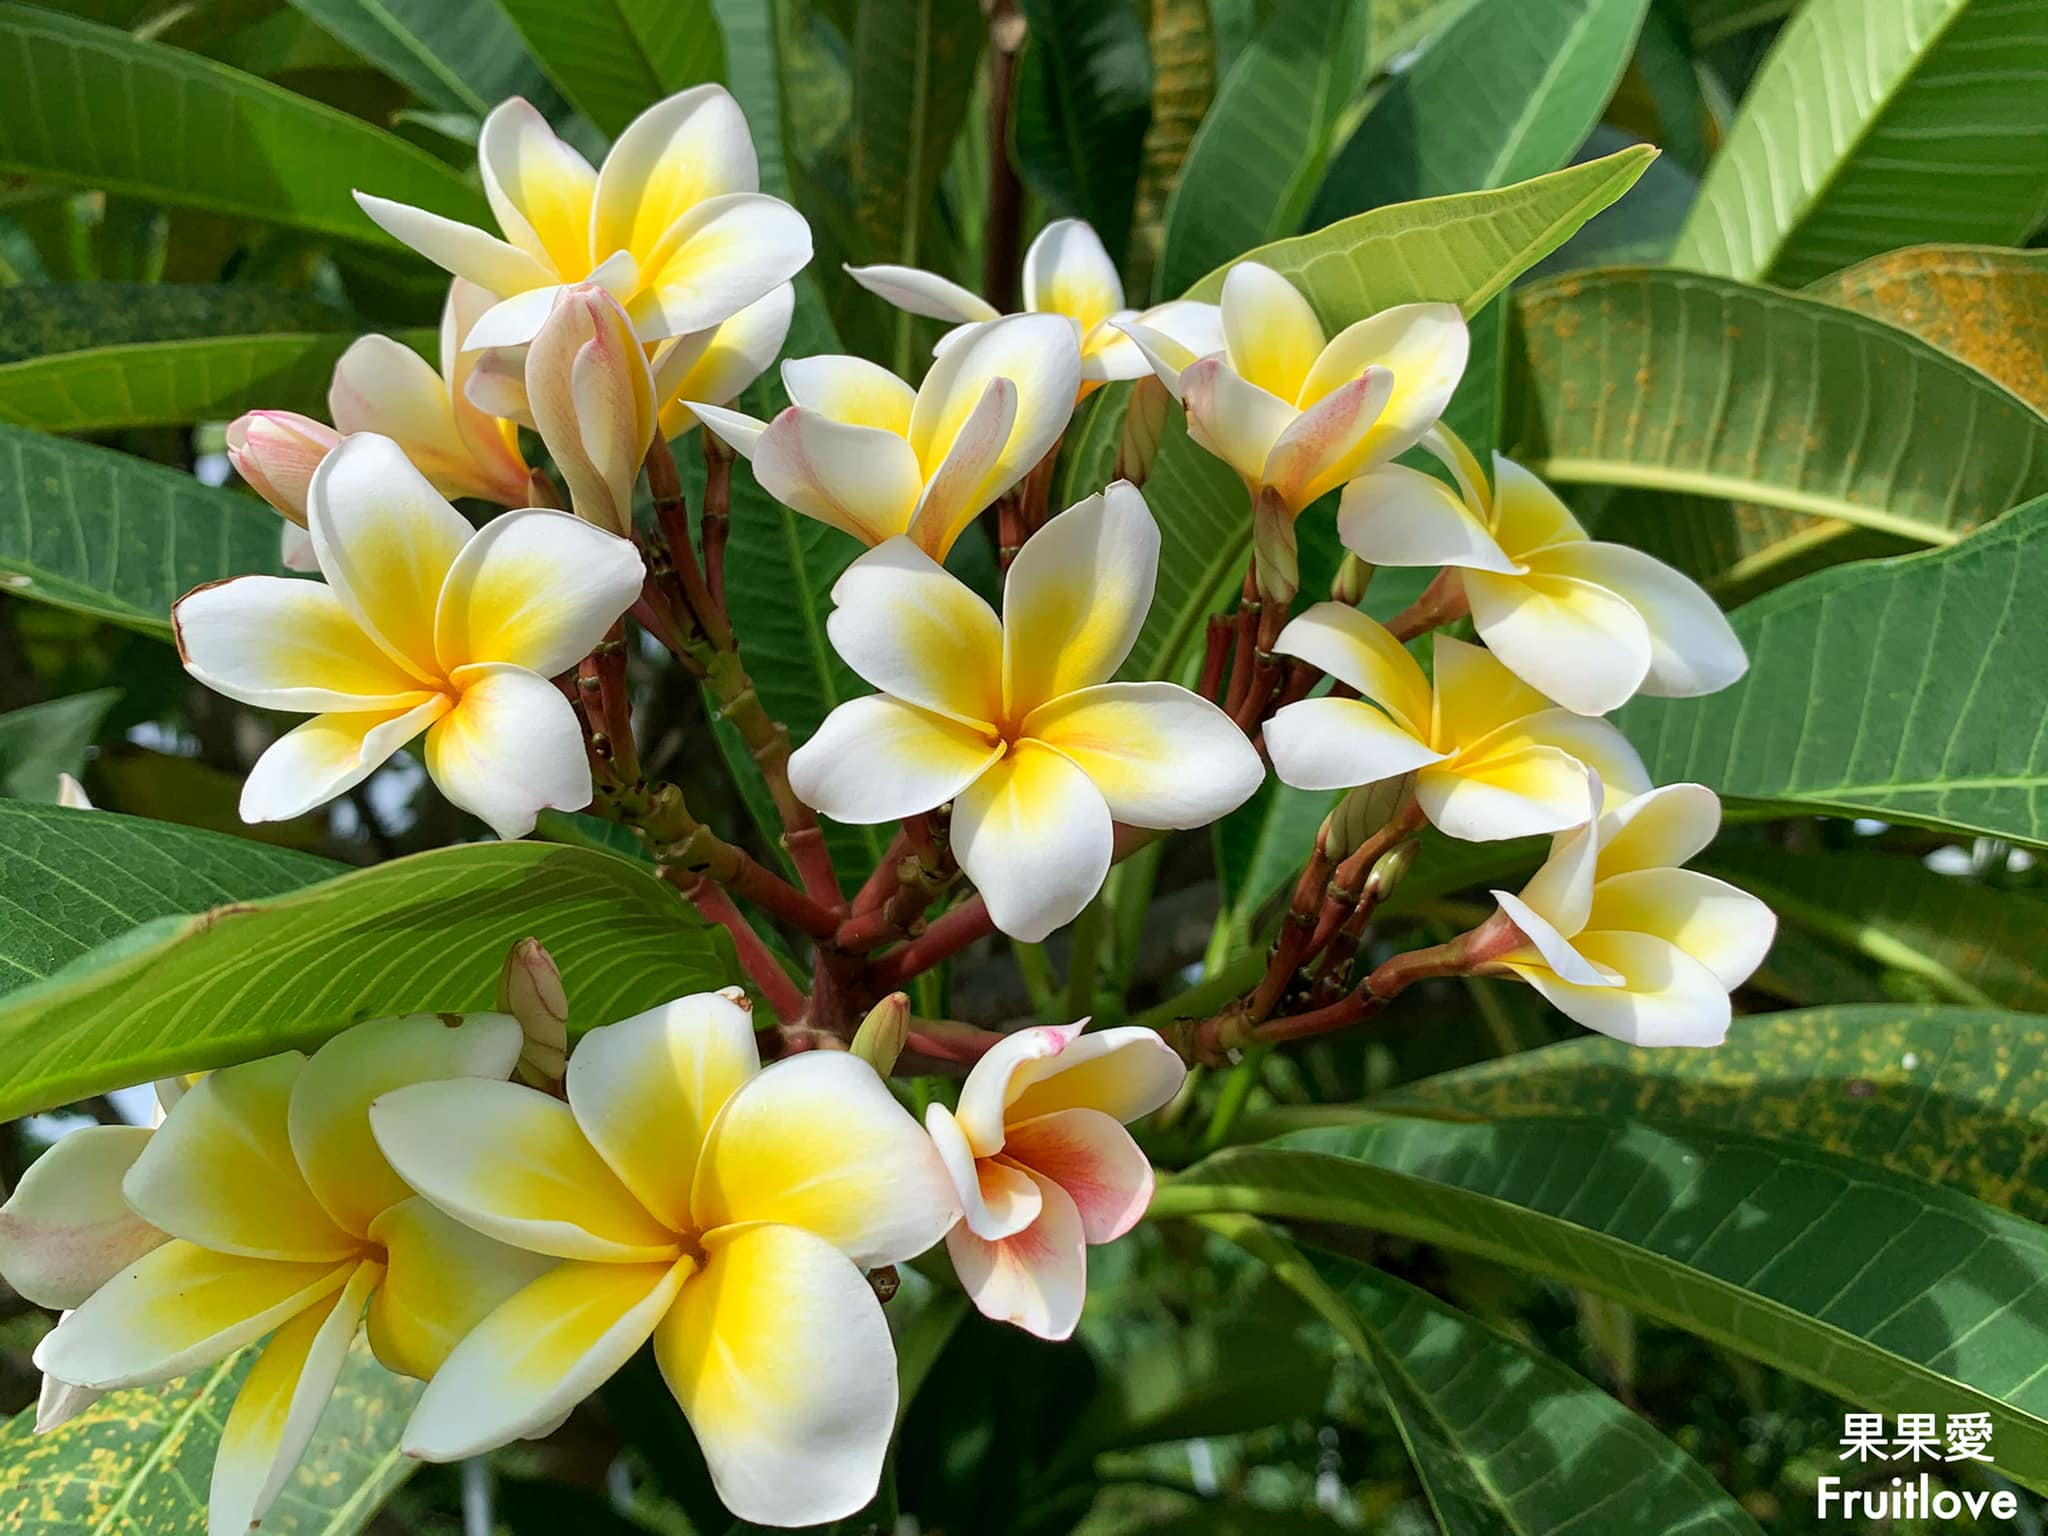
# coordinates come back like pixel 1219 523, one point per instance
pixel 1036 969
pixel 1089 930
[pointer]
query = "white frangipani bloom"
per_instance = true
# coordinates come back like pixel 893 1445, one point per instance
pixel 424 624
pixel 673 225
pixel 1014 720
pixel 863 452
pixel 1622 940
pixel 1588 623
pixel 715 365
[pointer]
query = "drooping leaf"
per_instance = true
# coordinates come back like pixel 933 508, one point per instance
pixel 41 741
pixel 613 59
pixel 114 111
pixel 1256 159
pixel 1763 1246
pixel 1505 1439
pixel 459 55
pixel 1875 124
pixel 1909 689
pixel 1084 101
pixel 423 933
pixel 118 537
pixel 138 1462
pixel 1678 382
pixel 1508 91
pixel 1462 249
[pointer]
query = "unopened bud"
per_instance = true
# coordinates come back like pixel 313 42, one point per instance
pixel 591 395
pixel 879 1040
pixel 1352 578
pixel 1363 812
pixel 1275 547
pixel 1392 868
pixel 1144 429
pixel 276 452
pixel 530 989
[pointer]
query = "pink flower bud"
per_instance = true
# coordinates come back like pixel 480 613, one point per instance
pixel 530 989
pixel 276 452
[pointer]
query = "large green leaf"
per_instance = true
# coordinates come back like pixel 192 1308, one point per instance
pixel 40 742
pixel 1508 91
pixel 1463 249
pixel 1949 1095
pixel 1258 155
pixel 460 55
pixel 1875 124
pixel 1674 381
pixel 1879 1288
pixel 424 933
pixel 1909 689
pixel 1084 102
pixel 118 537
pixel 72 879
pixel 1507 1441
pixel 114 111
pixel 138 1462
pixel 615 58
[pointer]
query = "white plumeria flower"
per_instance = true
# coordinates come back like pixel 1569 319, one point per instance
pixel 674 224
pixel 1015 720
pixel 1066 272
pixel 1622 940
pixel 423 624
pixel 714 366
pixel 860 451
pixel 693 1198
pixel 1044 1166
pixel 591 396
pixel 1588 623
pixel 1299 417
pixel 275 1214
pixel 1492 757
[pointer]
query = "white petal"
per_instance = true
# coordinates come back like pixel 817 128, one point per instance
pixel 329 755
pixel 878 759
pixel 1659 828
pixel 996 1200
pixel 66 1230
pixel 1339 744
pixel 1666 997
pixel 1067 272
pixel 1037 1279
pixel 1693 649
pixel 1093 1158
pixel 536 589
pixel 1235 420
pixel 509 749
pixel 1017 1059
pixel 923 293
pixel 730 359
pixel 1126 1072
pixel 1516 792
pixel 1727 930
pixel 284 644
pixel 860 480
pixel 1077 595
pixel 1574 641
pixel 295 549
pixel 1554 947
pixel 852 390
pixel 1394 515
pixel 1272 334
pixel 736 429
pixel 1160 755
pixel 692 146
pixel 913 629
pixel 1109 355
pixel 515 321
pixel 1424 346
pixel 459 248
pixel 715 260
pixel 1033 834
pixel 1562 889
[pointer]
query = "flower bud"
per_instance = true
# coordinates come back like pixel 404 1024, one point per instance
pixel 1352 578
pixel 1388 873
pixel 592 398
pixel 276 452
pixel 530 989
pixel 1361 813
pixel 879 1040
pixel 1144 430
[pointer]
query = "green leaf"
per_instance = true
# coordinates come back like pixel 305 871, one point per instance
pixel 116 536
pixel 117 112
pixel 460 55
pixel 1504 1438
pixel 426 933
pixel 1463 249
pixel 1889 1292
pixel 615 58
pixel 1712 21
pixel 40 742
pixel 1258 155
pixel 72 879
pixel 1875 124
pixel 1948 1095
pixel 138 1462
pixel 1508 91
pixel 1084 102
pixel 1906 689
pixel 1673 381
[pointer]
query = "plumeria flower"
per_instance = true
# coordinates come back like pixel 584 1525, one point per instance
pixel 674 224
pixel 423 624
pixel 691 1197
pixel 1619 938
pixel 1066 272
pixel 861 451
pixel 1296 416
pixel 274 1213
pixel 1492 757
pixel 1588 623
pixel 1015 720
pixel 714 366
pixel 591 396
pixel 1044 1166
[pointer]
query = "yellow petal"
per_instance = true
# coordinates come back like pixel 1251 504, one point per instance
pixel 692 146
pixel 1475 695
pixel 539 188
pixel 1273 335
pixel 1727 930
pixel 1067 272
pixel 920 634
pixel 442 1279
pixel 1034 835
pixel 781 1360
pixel 1666 997
pixel 331 754
pixel 1076 597
pixel 220 1169
pixel 1424 347
pixel 283 644
pixel 850 390
pixel 1660 829
pixel 537 589
pixel 1527 514
pixel 1161 755
pixel 1355 650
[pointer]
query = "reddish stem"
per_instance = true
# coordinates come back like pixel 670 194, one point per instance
pixel 940 942
pixel 755 958
pixel 1442 602
pixel 717 514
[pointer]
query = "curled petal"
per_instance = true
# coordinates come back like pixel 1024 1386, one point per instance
pixel 1424 347
pixel 66 1230
pixel 1554 947
pixel 1232 418
pixel 1353 649
pixel 1076 597
pixel 1727 930
pixel 1660 828
pixel 923 293
pixel 727 361
pixel 329 755
pixel 1318 450
pixel 963 482
pixel 996 1200
pixel 736 429
pixel 1693 648
pixel 1160 755
pixel 1037 1279
pixel 1126 1073
pixel 985 1096
pixel 860 480
pixel 715 260
pixel 1394 515
pixel 492 440
pixel 878 759
pixel 1067 272
pixel 1665 997
pixel 509 749
pixel 1033 834
pixel 536 589
pixel 1335 743
pixel 442 1278
pixel 1093 1158
pixel 1575 641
